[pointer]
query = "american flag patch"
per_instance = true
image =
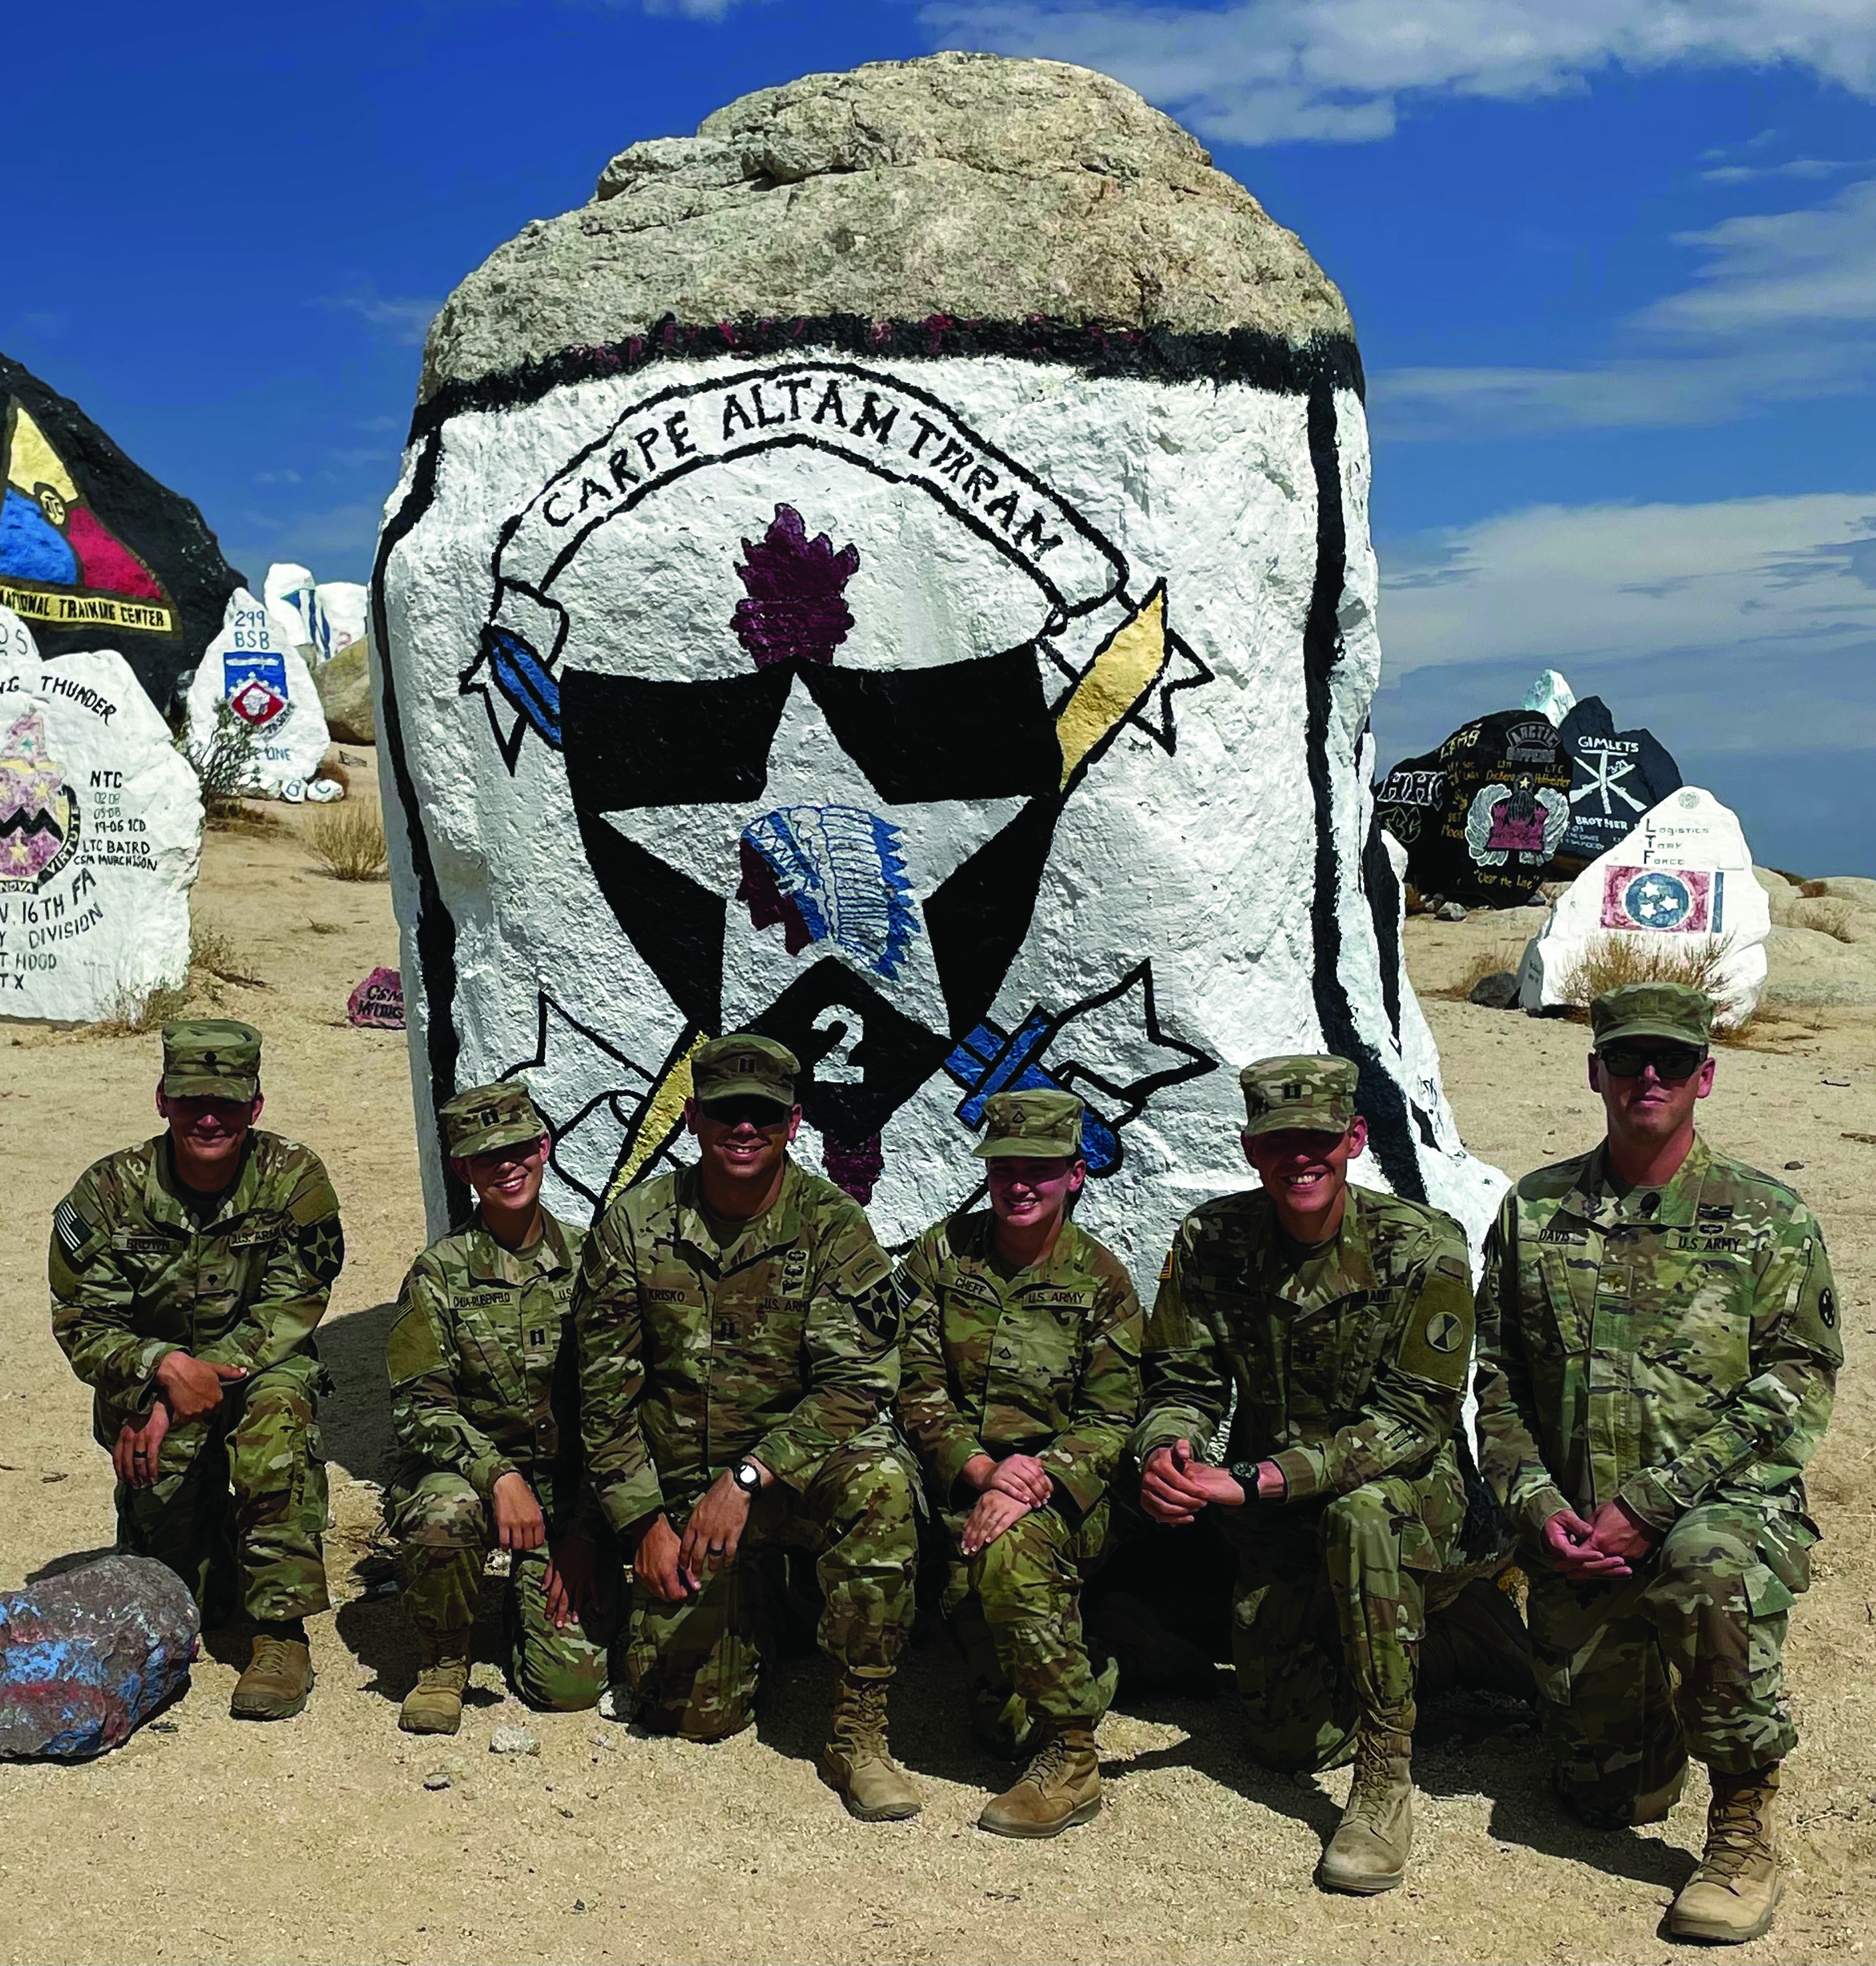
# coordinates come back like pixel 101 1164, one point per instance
pixel 70 1227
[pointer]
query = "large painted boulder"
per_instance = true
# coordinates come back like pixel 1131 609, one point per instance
pixel 1480 816
pixel 101 828
pixel 253 698
pixel 893 572
pixel 1679 893
pixel 95 553
pixel 1616 777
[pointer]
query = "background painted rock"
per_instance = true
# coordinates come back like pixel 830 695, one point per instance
pixel 100 837
pixel 1683 875
pixel 1616 776
pixel 94 552
pixel 967 703
pixel 1480 816
pixel 253 666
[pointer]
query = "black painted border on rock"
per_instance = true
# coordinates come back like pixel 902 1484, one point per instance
pixel 1317 368
pixel 1245 356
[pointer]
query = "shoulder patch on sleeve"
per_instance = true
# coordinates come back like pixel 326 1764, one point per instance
pixel 1454 1267
pixel 315 1201
pixel 410 1347
pixel 71 1228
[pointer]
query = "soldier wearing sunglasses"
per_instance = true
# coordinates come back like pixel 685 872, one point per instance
pixel 1658 1345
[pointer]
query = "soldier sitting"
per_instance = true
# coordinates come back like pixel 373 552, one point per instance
pixel 187 1276
pixel 472 1356
pixel 1341 1319
pixel 737 1328
pixel 1019 1383
pixel 1658 1346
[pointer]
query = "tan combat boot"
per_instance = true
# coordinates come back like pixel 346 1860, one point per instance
pixel 434 1704
pixel 278 1681
pixel 856 1763
pixel 1732 1896
pixel 1059 1788
pixel 1368 1851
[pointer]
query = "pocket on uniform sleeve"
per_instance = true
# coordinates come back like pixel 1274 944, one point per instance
pixel 1764 1592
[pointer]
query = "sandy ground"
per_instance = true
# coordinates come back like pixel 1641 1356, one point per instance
pixel 317 1840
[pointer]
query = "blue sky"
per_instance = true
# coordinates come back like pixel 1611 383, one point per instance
pixel 1613 264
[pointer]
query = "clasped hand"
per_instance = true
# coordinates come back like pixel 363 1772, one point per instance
pixel 1174 1485
pixel 1605 1548
pixel 673 1567
pixel 186 1389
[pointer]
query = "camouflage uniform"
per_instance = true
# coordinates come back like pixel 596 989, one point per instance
pixel 139 1268
pixel 471 1357
pixel 780 1343
pixel 1347 1365
pixel 1676 1347
pixel 1043 1362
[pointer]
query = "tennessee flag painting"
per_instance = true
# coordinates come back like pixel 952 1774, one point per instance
pixel 1676 900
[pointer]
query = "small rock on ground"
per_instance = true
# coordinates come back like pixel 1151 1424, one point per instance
pixel 1498 991
pixel 513 1741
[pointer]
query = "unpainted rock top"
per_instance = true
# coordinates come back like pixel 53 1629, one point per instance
pixel 968 186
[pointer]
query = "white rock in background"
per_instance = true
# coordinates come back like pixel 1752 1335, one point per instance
pixel 291 597
pixel 251 666
pixel 340 614
pixel 963 716
pixel 101 825
pixel 16 639
pixel 1551 694
pixel 1684 876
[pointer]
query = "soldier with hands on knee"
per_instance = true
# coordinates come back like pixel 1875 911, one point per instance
pixel 472 1356
pixel 1341 1318
pixel 737 1327
pixel 1019 1383
pixel 188 1275
pixel 1658 1346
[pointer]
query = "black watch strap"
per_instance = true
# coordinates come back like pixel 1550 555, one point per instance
pixel 747 1477
pixel 1245 1473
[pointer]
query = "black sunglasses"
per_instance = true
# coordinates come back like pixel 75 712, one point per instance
pixel 1673 1064
pixel 761 1113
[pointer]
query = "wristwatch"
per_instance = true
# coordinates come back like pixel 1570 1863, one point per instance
pixel 747 1477
pixel 1245 1473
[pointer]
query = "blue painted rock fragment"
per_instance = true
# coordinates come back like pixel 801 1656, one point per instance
pixel 87 1657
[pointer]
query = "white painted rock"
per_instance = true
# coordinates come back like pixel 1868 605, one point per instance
pixel 101 825
pixel 264 680
pixel 1683 875
pixel 970 701
pixel 1551 694
pixel 291 597
pixel 340 607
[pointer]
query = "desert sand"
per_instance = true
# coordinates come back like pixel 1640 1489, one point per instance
pixel 317 1840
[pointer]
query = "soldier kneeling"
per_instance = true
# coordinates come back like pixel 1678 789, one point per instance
pixel 1020 1381
pixel 471 1357
pixel 1341 1319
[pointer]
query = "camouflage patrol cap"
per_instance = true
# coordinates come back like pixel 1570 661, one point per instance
pixel 1317 1094
pixel 211 1058
pixel 1040 1126
pixel 488 1117
pixel 1652 1010
pixel 744 1066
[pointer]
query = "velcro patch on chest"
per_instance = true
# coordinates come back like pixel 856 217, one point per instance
pixel 132 1244
pixel 669 1296
pixel 260 1229
pixel 1061 1300
pixel 1701 1242
pixel 1554 1234
pixel 794 1272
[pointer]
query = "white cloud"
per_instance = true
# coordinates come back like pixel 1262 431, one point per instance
pixel 404 320
pixel 1270 71
pixel 1784 307
pixel 1782 588
pixel 1793 167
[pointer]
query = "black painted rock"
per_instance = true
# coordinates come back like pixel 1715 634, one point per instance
pixel 1616 776
pixel 1481 817
pixel 95 553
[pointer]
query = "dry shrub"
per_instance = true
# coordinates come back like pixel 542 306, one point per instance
pixel 132 1015
pixel 212 951
pixel 1700 962
pixel 348 841
pixel 1487 961
pixel 252 822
